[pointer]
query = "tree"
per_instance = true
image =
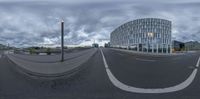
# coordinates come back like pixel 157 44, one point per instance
pixel 48 51
pixel 32 50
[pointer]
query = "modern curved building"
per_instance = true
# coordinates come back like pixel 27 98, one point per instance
pixel 145 35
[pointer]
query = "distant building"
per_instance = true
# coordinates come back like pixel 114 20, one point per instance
pixel 145 35
pixel 192 45
pixel 178 46
pixel 3 47
pixel 107 44
pixel 95 45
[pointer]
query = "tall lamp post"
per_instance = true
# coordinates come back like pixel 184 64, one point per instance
pixel 62 41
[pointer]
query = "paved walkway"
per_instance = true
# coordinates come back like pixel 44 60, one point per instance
pixel 43 68
pixel 51 58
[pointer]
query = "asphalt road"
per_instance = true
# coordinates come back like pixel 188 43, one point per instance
pixel 150 71
pixel 93 82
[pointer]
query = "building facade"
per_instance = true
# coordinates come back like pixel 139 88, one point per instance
pixel 192 45
pixel 95 45
pixel 145 35
pixel 178 46
pixel 107 44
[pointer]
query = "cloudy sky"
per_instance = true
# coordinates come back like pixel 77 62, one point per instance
pixel 36 22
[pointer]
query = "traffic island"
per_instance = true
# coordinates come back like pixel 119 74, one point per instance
pixel 52 69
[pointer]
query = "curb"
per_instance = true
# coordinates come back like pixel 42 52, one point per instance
pixel 145 53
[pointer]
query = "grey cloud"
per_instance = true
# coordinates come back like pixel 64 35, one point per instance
pixel 32 23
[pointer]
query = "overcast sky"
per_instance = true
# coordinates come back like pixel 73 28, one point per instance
pixel 36 22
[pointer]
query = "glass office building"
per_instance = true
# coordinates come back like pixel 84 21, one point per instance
pixel 145 35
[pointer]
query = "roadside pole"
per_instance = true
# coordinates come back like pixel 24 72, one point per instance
pixel 62 41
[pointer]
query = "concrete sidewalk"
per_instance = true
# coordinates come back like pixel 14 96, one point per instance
pixel 148 54
pixel 56 69
pixel 51 58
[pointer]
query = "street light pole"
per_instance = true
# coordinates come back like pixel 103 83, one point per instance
pixel 62 41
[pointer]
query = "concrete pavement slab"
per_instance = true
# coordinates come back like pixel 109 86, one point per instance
pixel 52 69
pixel 51 58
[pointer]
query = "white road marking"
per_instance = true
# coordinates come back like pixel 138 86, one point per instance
pixel 124 87
pixel 197 65
pixel 147 60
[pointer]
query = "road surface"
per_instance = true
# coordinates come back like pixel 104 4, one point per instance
pixel 93 82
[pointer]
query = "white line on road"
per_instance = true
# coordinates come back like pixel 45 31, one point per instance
pixel 197 65
pixel 147 60
pixel 124 87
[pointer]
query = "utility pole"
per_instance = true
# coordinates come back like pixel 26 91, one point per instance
pixel 62 41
